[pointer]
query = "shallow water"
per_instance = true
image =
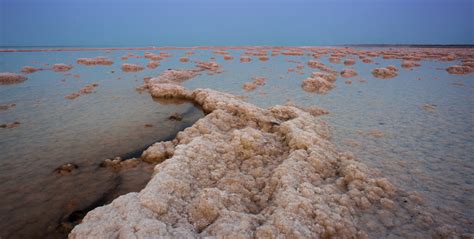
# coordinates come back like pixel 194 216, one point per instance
pixel 38 202
pixel 428 152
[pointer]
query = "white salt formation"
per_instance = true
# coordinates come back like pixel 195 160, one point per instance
pixel 246 172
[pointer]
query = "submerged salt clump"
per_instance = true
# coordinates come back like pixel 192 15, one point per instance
pixel 245 172
pixel 256 82
pixel 8 78
pixel 85 90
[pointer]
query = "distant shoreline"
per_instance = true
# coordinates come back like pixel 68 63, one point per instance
pixel 67 48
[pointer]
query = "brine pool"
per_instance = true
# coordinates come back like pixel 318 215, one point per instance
pixel 427 151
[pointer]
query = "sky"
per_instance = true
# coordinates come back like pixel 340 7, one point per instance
pixel 118 23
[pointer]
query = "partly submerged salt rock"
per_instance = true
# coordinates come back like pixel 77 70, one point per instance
pixel 209 66
pixel 384 73
pixel 153 64
pixel 410 64
pixel 99 60
pixel 60 67
pixel 176 117
pixel 152 56
pixel 245 59
pixel 169 91
pixel 127 67
pixel 175 76
pixel 316 111
pixel 183 59
pixel 118 163
pixel 158 152
pixel 65 169
pixel 347 73
pixel 334 59
pixel 321 66
pixel 459 70
pixel 7 106
pixel 316 85
pixel 349 62
pixel 244 172
pixel 228 57
pixel 29 69
pixel 7 78
pixel 15 124
pixel 367 60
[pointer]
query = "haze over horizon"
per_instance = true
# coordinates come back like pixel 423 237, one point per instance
pixel 108 23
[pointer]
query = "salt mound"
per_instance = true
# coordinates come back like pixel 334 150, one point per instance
pixel 127 67
pixel 460 70
pixel 327 76
pixel 410 64
pixel 99 60
pixel 245 172
pixel 7 78
pixel 347 73
pixel 183 59
pixel 316 85
pixel 385 73
pixel 60 67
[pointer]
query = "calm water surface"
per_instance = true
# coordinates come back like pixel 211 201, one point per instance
pixel 428 152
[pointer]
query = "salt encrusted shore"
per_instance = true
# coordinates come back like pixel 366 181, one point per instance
pixel 246 172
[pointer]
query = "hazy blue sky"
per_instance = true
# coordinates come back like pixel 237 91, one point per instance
pixel 234 22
